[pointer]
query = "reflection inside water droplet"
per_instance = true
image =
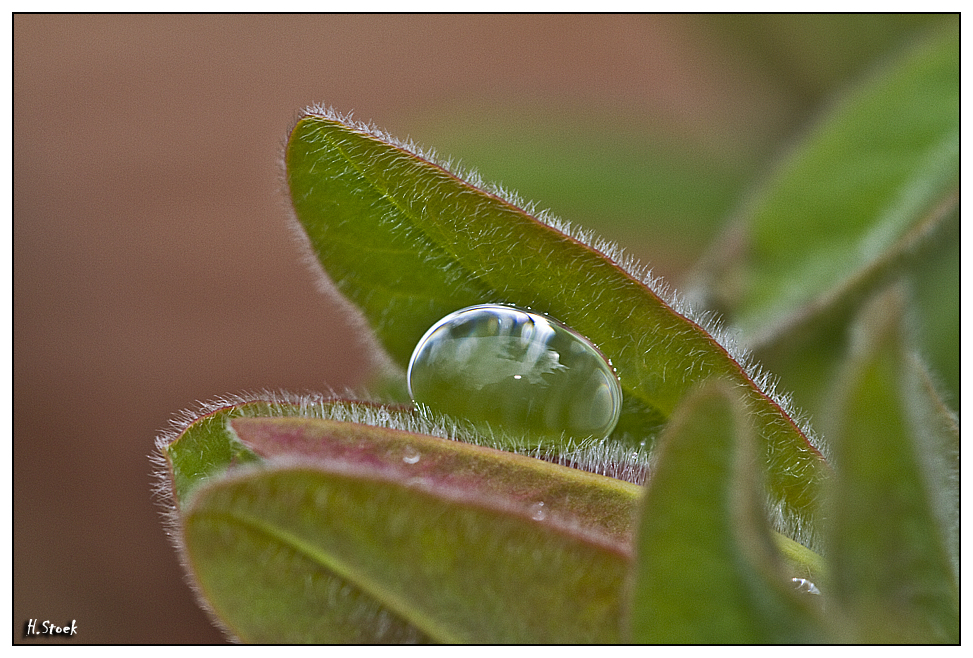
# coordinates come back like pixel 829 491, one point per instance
pixel 537 511
pixel 518 371
pixel 805 585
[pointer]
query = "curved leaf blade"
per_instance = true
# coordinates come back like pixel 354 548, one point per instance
pixel 875 178
pixel 458 565
pixel 407 242
pixel 591 501
pixel 201 446
pixel 263 585
pixel 892 576
pixel 707 569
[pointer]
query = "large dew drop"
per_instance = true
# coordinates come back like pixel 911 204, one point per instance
pixel 518 371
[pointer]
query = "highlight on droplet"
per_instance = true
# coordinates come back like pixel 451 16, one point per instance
pixel 411 456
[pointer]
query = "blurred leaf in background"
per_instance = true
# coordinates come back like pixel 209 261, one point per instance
pixel 628 178
pixel 665 195
pixel 870 195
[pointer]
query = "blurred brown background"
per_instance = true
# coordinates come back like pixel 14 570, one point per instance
pixel 152 261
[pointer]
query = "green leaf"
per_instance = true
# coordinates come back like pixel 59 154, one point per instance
pixel 875 178
pixel 707 569
pixel 408 242
pixel 318 549
pixel 891 577
pixel 936 280
pixel 594 501
pixel 201 445
pixel 936 427
pixel 866 198
pixel 808 356
pixel 204 449
pixel 263 585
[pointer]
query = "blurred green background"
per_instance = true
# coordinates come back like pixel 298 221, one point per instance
pixel 153 264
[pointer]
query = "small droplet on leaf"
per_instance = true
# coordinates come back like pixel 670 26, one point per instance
pixel 518 371
pixel 411 455
pixel 537 511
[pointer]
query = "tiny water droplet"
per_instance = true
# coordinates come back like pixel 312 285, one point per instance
pixel 537 511
pixel 515 370
pixel 805 585
pixel 411 455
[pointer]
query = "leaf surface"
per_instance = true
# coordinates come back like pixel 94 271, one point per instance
pixel 707 569
pixel 453 559
pixel 592 501
pixel 875 178
pixel 408 242
pixel 203 447
pixel 893 498
pixel 259 563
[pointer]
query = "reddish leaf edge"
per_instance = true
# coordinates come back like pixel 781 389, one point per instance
pixel 601 457
pixel 271 403
pixel 282 404
pixel 570 500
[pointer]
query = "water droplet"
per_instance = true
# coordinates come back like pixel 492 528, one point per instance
pixel 805 585
pixel 411 455
pixel 537 511
pixel 516 370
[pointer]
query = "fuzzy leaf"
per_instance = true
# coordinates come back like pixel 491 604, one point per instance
pixel 201 446
pixel 594 501
pixel 936 281
pixel 809 55
pixel 204 449
pixel 707 569
pixel 408 242
pixel 265 586
pixel 891 575
pixel 875 178
pixel 440 552
pixel 261 586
